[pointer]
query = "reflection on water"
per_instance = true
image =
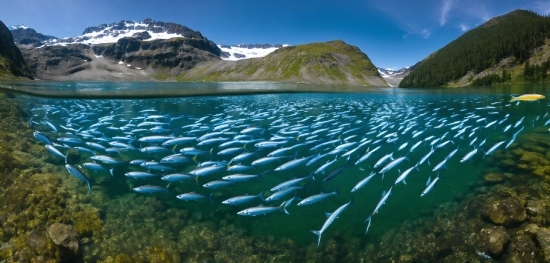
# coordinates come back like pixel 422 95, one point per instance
pixel 338 128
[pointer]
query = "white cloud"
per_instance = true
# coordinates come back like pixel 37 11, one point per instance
pixel 425 33
pixel 463 27
pixel 447 5
pixel 542 7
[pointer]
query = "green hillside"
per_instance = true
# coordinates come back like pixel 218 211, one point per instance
pixel 333 62
pixel 494 52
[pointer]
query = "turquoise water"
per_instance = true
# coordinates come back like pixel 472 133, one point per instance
pixel 294 119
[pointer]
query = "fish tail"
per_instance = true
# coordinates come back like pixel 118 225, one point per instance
pixel 318 233
pixel 513 98
pixel 261 196
pixel 283 207
pixel 89 187
pixel 112 171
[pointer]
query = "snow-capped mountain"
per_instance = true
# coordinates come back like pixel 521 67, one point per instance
pixel 146 30
pixel 17 26
pixel 244 51
pixel 393 76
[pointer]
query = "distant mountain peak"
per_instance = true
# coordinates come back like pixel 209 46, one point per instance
pixel 145 30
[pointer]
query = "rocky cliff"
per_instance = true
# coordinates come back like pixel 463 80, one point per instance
pixel 12 63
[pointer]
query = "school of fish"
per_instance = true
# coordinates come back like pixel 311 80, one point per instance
pixel 296 146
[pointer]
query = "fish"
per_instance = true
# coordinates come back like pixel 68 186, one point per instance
pixel 429 187
pixel 282 193
pixel 494 147
pixel 363 182
pixel 149 189
pixel 56 152
pixel 323 167
pixel 243 199
pixel 41 137
pixel 291 182
pixel 527 97
pixel 293 163
pixel 330 219
pixel 262 210
pixel 335 172
pixel 139 175
pixel 317 198
pixel 382 201
pixel 218 184
pixel 404 175
pixel 193 196
pixel 383 159
pixel 78 174
pixel 469 155
pixel 392 164
pixel 367 155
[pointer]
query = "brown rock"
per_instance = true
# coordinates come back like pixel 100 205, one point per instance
pixel 522 249
pixel 65 237
pixel 494 240
pixel 505 212
pixel 543 237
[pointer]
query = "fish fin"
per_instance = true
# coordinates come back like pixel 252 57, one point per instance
pixel 197 179
pixel 368 219
pixel 210 198
pixel 261 196
pixel 195 159
pixel 512 99
pixel 112 172
pixel 403 181
pixel 328 214
pixel 244 146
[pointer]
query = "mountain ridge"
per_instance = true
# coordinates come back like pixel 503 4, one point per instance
pixel 12 63
pixel 492 53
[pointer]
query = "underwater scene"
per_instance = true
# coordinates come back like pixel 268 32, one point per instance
pixel 403 176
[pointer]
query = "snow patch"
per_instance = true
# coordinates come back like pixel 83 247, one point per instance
pixel 238 52
pixel 18 26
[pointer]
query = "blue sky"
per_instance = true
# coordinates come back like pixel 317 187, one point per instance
pixel 393 33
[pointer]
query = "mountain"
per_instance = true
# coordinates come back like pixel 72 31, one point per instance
pixel 12 63
pixel 333 62
pixel 394 77
pixel 511 48
pixel 127 50
pixel 23 35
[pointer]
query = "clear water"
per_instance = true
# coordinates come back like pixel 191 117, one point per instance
pixel 372 113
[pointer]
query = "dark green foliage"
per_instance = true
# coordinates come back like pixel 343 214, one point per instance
pixel 514 34
pixel 536 73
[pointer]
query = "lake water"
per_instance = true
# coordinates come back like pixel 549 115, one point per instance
pixel 341 127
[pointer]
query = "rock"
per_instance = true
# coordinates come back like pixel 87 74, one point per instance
pixel 493 178
pixel 507 212
pixel 543 238
pixel 142 35
pixel 522 249
pixel 494 240
pixel 65 237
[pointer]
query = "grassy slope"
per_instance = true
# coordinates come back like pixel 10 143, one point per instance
pixel 332 62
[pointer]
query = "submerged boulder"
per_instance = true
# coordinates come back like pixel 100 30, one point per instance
pixel 494 240
pixel 65 237
pixel 507 212
pixel 543 238
pixel 522 249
